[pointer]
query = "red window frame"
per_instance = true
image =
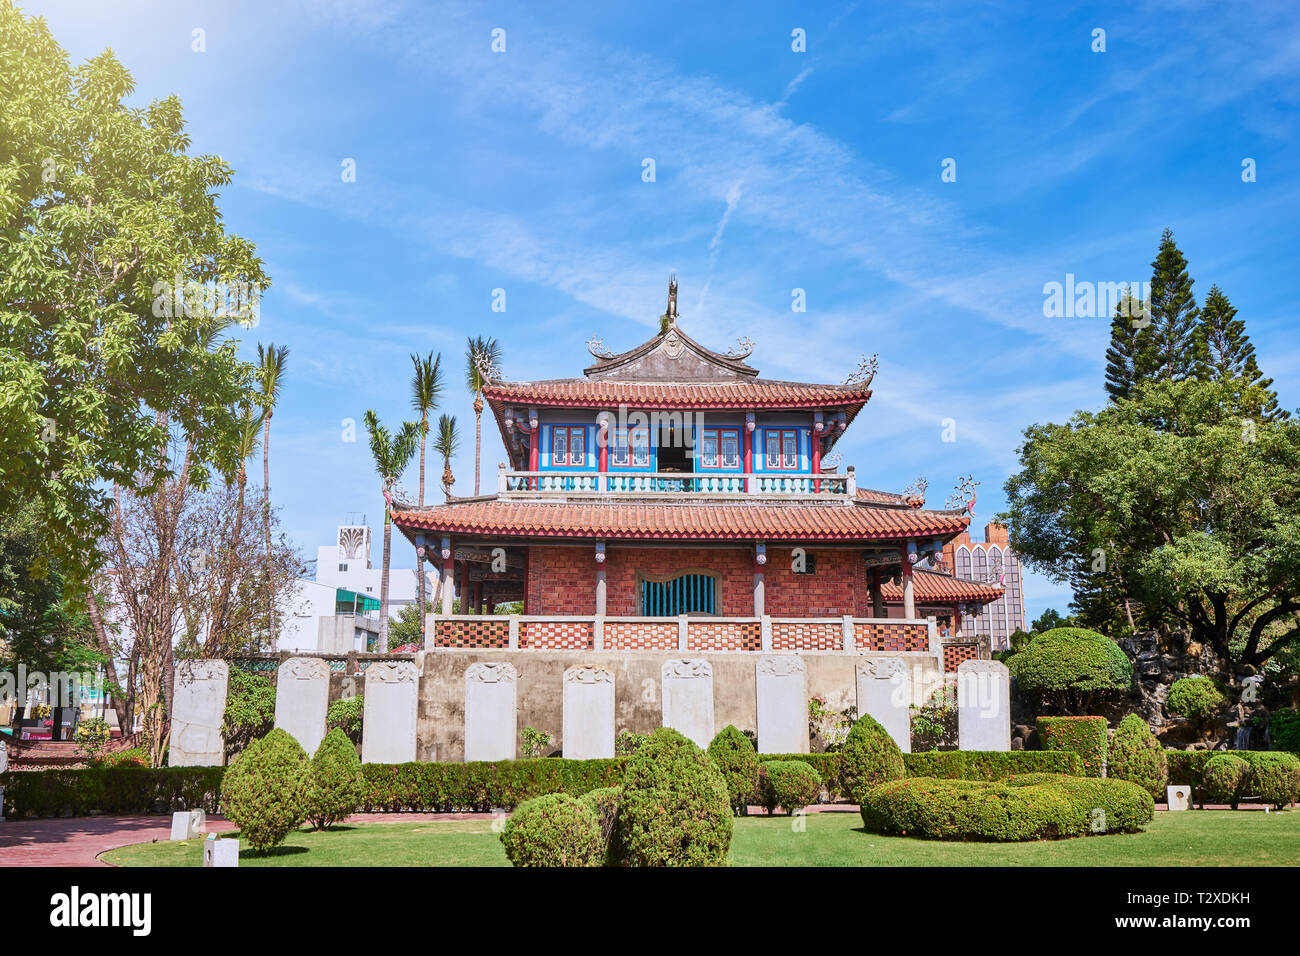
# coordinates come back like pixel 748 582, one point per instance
pixel 569 460
pixel 780 435
pixel 717 434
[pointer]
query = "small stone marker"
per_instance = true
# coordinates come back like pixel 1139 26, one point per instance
pixel 1179 797
pixel 183 826
pixel 220 852
pixel 198 821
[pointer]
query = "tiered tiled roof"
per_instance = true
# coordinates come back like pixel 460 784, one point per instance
pixel 752 394
pixel 694 520
pixel 941 588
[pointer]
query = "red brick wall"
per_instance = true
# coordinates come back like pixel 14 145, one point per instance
pixel 563 580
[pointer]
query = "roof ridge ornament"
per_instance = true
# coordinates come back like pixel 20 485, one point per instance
pixel 486 367
pixel 914 493
pixel 963 496
pixel 596 346
pixel 744 348
pixel 865 372
pixel 669 319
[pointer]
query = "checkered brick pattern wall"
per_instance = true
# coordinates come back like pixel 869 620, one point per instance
pixel 798 636
pixel 556 635
pixel 954 654
pixel 489 632
pixel 628 636
pixel 724 636
pixel 891 637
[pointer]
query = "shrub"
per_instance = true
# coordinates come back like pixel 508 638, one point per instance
pixel 1274 777
pixel 970 810
pixel 1225 778
pixel 1040 806
pixel 92 735
pixel 1284 730
pixel 627 743
pixel 554 830
pixel 534 742
pixel 788 784
pixel 335 785
pixel 675 809
pixel 604 804
pixel 1071 668
pixel 263 790
pixel 109 789
pixel 737 761
pixel 250 709
pixel 346 715
pixel 1085 736
pixel 1196 698
pixel 1112 806
pixel 869 758
pixel 1135 755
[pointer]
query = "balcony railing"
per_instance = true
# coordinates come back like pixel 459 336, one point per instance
pixel 640 484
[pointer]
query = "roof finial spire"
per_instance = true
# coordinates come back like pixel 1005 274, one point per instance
pixel 672 299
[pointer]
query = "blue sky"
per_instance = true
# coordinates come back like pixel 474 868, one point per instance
pixel 775 170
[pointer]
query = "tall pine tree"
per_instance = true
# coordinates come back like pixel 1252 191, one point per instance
pixel 1130 336
pixel 1173 317
pixel 1224 350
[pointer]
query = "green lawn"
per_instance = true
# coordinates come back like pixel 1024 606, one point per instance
pixel 1197 838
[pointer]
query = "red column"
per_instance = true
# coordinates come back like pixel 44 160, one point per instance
pixel 816 457
pixel 747 451
pixel 602 463
pixel 534 452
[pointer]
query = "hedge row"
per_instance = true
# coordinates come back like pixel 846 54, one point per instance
pixel 441 787
pixel 482 786
pixel 1187 767
pixel 110 790
pixel 952 764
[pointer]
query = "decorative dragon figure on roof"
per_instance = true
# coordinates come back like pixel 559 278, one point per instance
pixel 963 496
pixel 486 367
pixel 914 493
pixel 743 349
pixel 865 372
pixel 596 346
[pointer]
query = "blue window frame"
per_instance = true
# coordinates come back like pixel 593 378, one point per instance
pixel 781 449
pixel 633 453
pixel 567 446
pixel 719 449
pixel 683 594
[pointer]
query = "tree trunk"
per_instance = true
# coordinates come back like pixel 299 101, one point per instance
pixel 110 668
pixel 266 520
pixel 383 582
pixel 419 552
pixel 478 438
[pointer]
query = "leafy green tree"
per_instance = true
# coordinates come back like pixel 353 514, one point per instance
pixel 406 627
pixel 1224 352
pixel 392 453
pixel 1130 339
pixel 250 709
pixel 1173 317
pixel 426 389
pixel 271 362
pixel 482 357
pixel 1202 499
pixel 1050 619
pixel 114 263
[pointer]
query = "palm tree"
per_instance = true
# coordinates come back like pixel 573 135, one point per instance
pixel 446 444
pixel 249 426
pixel 482 356
pixel 392 453
pixel 271 362
pixel 426 389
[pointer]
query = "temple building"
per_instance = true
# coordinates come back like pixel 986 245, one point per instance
pixel 671 499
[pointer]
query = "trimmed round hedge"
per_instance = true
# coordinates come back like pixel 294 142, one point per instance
pixel 737 761
pixel 1027 807
pixel 554 830
pixel 604 803
pixel 868 758
pixel 264 791
pixel 1136 756
pixel 1284 730
pixel 675 809
pixel 1196 698
pixel 1274 778
pixel 789 784
pixel 1225 778
pixel 1072 667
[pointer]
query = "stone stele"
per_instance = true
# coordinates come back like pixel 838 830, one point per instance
pixel 388 720
pixel 302 694
pixel 588 713
pixel 198 705
pixel 885 693
pixel 780 686
pixel 491 710
pixel 983 706
pixel 687 687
